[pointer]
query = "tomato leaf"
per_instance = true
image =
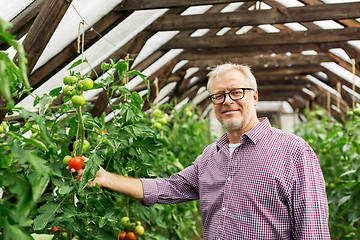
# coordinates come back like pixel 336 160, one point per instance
pixel 55 92
pixel 19 186
pixel 47 214
pixel 92 167
pixel 77 63
pixel 14 232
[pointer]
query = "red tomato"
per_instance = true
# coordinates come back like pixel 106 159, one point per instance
pixel 54 229
pixel 130 236
pixel 122 235
pixel 76 163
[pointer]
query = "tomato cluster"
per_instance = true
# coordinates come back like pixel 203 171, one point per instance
pixel 75 86
pixel 130 230
pixel 159 118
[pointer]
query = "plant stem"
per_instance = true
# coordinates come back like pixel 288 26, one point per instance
pixel 81 131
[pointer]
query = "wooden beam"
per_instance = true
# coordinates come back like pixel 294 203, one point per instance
pixel 265 39
pixel 44 26
pixel 23 21
pixel 253 18
pixel 263 60
pixel 127 5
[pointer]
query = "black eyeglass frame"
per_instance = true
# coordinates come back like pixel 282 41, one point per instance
pixel 211 97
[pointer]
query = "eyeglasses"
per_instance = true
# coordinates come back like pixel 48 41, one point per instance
pixel 235 94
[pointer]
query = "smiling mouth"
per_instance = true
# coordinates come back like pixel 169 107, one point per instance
pixel 229 111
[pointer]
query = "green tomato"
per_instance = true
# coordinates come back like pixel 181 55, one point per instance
pixel 64 235
pixel 350 113
pixel 70 80
pixel 78 100
pixel 69 91
pixel 356 111
pixel 125 221
pixel 163 120
pixel 3 126
pixel 86 84
pixel 66 160
pixel 157 113
pixel 188 113
pixel 157 125
pixel 86 145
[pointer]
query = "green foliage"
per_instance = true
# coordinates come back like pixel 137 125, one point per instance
pixel 337 146
pixel 12 77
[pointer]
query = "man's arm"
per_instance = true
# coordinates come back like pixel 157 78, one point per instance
pixel 310 206
pixel 128 186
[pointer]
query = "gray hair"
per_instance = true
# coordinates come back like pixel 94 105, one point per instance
pixel 219 69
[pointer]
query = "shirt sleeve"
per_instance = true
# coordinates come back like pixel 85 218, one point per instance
pixel 309 201
pixel 180 187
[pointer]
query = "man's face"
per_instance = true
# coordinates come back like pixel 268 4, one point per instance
pixel 236 115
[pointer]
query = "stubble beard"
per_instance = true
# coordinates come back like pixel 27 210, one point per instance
pixel 235 124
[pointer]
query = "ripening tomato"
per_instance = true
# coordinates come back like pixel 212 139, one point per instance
pixel 139 230
pixel 78 100
pixel 130 236
pixel 54 229
pixel 122 235
pixel 76 163
pixel 86 84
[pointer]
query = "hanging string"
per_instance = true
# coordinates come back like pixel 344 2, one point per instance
pixel 353 86
pixel 97 33
pixel 80 40
pixel 338 87
pixel 328 103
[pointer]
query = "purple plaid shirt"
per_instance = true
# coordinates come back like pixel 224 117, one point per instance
pixel 271 187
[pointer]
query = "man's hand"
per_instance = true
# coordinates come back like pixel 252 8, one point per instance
pixel 99 178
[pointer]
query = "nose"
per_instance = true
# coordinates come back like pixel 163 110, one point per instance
pixel 228 100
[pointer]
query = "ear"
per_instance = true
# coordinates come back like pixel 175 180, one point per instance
pixel 256 97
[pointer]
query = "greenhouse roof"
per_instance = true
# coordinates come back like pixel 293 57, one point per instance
pixel 305 53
